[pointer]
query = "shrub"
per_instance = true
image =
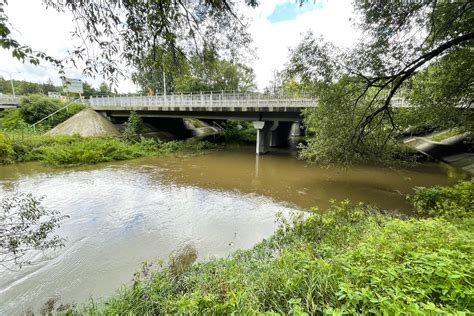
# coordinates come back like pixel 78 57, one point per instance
pixel 239 131
pixel 77 150
pixel 89 151
pixel 36 106
pixel 6 150
pixel 13 119
pixel 135 127
pixel 456 201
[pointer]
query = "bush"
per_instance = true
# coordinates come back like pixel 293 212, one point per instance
pixel 6 150
pixel 89 151
pixel 239 131
pixel 36 106
pixel 456 201
pixel 135 127
pixel 77 150
pixel 12 120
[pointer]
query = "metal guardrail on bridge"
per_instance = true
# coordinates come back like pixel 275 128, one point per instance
pixel 208 100
pixel 9 100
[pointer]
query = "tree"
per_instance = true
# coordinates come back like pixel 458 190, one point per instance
pixel 204 72
pixel 126 31
pixel 89 90
pixel 104 89
pixel 49 86
pixel 26 225
pixel 400 40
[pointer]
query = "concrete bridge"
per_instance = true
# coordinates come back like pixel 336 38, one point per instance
pixel 274 116
pixel 9 102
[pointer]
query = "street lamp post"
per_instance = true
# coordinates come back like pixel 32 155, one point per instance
pixel 11 79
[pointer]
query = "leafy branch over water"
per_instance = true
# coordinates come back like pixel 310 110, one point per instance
pixel 26 225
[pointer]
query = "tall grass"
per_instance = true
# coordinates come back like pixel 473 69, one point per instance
pixel 77 150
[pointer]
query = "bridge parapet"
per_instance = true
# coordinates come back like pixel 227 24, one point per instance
pixel 211 101
pixel 9 101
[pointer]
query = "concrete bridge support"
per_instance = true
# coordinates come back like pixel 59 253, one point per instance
pixel 264 130
pixel 279 136
pixel 297 129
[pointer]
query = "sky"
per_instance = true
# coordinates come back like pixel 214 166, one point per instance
pixel 276 25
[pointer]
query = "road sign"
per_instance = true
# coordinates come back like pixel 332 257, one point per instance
pixel 72 85
pixel 56 95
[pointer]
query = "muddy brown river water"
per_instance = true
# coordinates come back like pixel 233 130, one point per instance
pixel 125 213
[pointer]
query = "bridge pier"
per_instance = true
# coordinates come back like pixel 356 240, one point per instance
pixel 264 130
pixel 280 136
pixel 297 129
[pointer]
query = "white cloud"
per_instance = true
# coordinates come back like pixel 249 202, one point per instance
pixel 273 39
pixel 50 31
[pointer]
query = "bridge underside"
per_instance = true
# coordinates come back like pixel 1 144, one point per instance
pixel 285 115
pixel 8 106
pixel 273 126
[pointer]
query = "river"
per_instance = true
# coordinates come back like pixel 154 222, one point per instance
pixel 125 213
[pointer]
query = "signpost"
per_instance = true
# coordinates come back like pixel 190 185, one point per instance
pixel 73 85
pixel 55 95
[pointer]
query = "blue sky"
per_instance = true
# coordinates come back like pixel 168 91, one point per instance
pixel 291 9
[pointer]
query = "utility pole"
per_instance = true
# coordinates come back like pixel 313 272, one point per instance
pixel 11 79
pixel 164 79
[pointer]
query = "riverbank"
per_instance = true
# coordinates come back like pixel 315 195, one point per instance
pixel 352 259
pixel 77 150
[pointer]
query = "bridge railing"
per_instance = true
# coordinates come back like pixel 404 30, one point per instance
pixel 204 100
pixel 9 100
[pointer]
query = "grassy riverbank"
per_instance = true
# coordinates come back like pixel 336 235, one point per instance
pixel 77 150
pixel 351 259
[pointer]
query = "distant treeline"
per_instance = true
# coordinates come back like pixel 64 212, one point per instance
pixel 23 87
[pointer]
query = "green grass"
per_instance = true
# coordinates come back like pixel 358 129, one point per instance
pixel 446 134
pixel 351 259
pixel 77 150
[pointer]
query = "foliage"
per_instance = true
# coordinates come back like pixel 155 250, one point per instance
pixel 421 51
pixel 239 131
pixel 6 149
pixel 131 30
pixel 135 127
pixel 443 91
pixel 77 150
pixel 331 127
pixel 447 134
pixel 214 74
pixel 12 120
pixel 456 201
pixel 36 106
pixel 25 225
pixel 350 259
pixel 204 72
pixel 23 87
